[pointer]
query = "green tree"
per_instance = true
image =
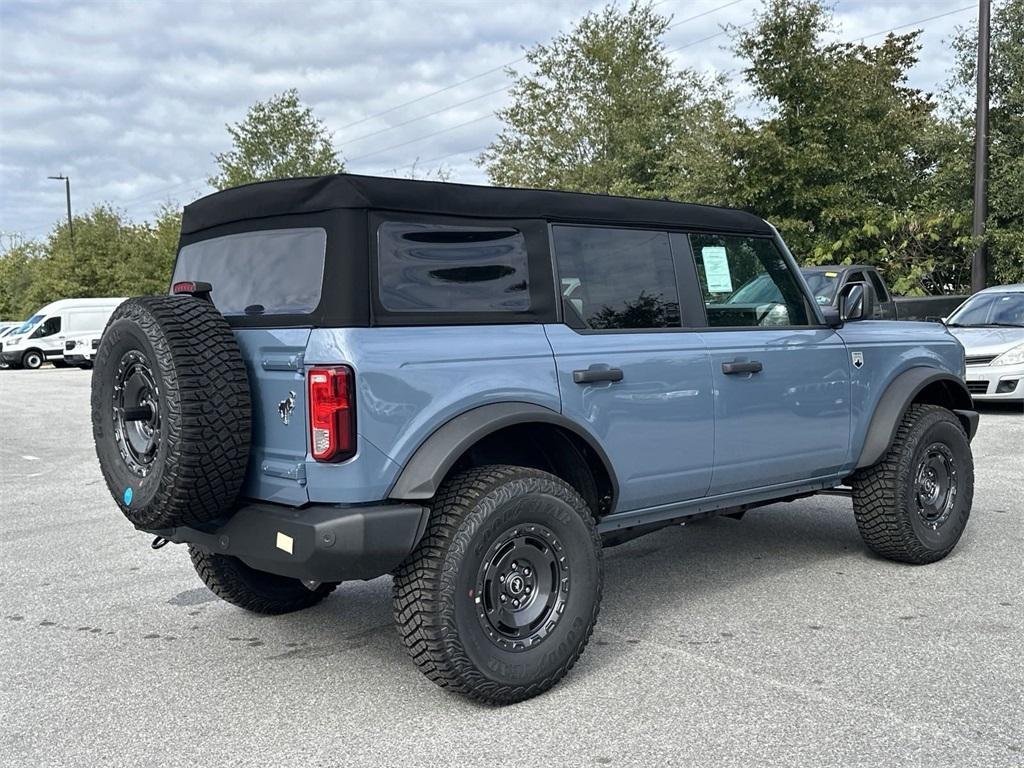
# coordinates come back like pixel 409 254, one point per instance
pixel 18 266
pixel 603 111
pixel 149 255
pixel 1005 225
pixel 110 256
pixel 279 138
pixel 843 157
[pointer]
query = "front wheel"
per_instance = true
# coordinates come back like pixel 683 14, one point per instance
pixel 501 595
pixel 32 359
pixel 913 505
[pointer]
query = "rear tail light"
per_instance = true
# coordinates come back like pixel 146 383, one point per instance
pixel 332 415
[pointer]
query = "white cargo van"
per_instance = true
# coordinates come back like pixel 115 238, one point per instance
pixel 42 336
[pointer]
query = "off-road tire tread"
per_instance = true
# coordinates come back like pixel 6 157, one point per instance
pixel 232 581
pixel 207 407
pixel 878 490
pixel 422 580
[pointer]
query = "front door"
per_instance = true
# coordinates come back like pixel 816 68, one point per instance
pixel 628 369
pixel 781 379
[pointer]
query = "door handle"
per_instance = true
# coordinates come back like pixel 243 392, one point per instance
pixel 737 366
pixel 592 374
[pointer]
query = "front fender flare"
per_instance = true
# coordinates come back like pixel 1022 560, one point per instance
pixel 894 402
pixel 430 463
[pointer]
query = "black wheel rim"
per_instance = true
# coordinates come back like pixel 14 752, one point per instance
pixel 136 408
pixel 935 485
pixel 522 587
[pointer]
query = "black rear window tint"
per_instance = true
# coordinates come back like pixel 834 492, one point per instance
pixel 617 278
pixel 452 268
pixel 267 272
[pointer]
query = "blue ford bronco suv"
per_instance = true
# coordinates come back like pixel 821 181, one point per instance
pixel 475 389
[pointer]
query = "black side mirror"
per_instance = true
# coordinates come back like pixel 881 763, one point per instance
pixel 832 317
pixel 854 303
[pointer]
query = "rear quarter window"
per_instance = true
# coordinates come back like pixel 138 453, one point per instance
pixel 452 268
pixel 265 272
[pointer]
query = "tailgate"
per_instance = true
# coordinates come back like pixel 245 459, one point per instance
pixel 277 462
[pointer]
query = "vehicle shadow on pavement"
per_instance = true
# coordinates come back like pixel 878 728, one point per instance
pixel 679 565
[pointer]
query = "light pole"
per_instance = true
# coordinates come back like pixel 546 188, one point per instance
pixel 979 262
pixel 67 192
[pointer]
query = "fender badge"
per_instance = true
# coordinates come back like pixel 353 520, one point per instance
pixel 856 357
pixel 285 408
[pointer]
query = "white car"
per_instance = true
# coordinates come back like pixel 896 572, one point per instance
pixel 41 338
pixel 990 325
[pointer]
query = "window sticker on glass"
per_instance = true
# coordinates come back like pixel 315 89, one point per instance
pixel 716 269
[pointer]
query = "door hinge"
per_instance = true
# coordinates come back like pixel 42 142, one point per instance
pixel 282 362
pixel 296 472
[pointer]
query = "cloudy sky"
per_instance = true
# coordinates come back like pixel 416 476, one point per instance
pixel 130 99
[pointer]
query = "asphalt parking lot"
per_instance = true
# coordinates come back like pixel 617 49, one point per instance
pixel 775 640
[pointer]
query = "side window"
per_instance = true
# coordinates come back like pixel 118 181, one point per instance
pixel 855 277
pixel 879 286
pixel 617 278
pixel 452 268
pixel 746 282
pixel 48 328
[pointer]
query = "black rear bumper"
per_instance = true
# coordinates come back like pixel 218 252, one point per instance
pixel 317 543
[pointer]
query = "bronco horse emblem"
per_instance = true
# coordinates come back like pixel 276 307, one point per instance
pixel 285 408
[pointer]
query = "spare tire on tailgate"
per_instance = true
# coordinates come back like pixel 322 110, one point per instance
pixel 171 411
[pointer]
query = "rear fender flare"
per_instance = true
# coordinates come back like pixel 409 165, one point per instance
pixel 424 472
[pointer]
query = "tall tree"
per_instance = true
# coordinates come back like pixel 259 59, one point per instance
pixel 1005 226
pixel 279 138
pixel 602 110
pixel 840 143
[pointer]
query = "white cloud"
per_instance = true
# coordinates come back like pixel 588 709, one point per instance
pixel 130 99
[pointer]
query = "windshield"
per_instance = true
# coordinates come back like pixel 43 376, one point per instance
pixel 822 285
pixel 990 310
pixel 763 290
pixel 27 325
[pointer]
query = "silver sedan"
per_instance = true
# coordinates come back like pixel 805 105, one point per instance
pixel 990 325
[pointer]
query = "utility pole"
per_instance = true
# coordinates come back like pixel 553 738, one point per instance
pixel 979 262
pixel 67 192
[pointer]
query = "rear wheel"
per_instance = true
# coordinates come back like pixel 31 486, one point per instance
pixel 235 582
pixel 501 595
pixel 32 359
pixel 913 505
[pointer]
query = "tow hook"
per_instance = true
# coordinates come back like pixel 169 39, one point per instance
pixel 159 541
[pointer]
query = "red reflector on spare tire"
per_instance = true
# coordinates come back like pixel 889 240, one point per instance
pixel 332 418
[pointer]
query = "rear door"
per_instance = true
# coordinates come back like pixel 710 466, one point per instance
pixel 627 368
pixel 261 278
pixel 781 379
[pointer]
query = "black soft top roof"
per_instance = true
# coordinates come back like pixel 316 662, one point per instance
pixel 324 193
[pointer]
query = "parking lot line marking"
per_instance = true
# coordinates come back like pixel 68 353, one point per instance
pixel 26 457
